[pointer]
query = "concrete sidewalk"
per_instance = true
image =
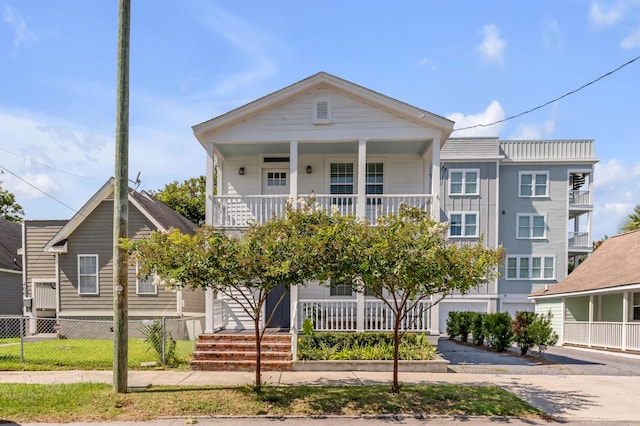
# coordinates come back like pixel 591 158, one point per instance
pixel 569 397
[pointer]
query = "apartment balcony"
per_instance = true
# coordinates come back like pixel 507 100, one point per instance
pixel 580 242
pixel 240 211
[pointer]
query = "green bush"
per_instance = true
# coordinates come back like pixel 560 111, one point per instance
pixel 158 339
pixel 363 346
pixel 497 330
pixel 522 332
pixel 453 324
pixel 477 327
pixel 541 332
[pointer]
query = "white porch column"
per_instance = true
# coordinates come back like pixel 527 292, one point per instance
pixel 625 316
pixel 590 317
pixel 208 309
pixel 361 210
pixel 360 311
pixel 293 171
pixel 435 179
pixel 210 184
pixel 293 307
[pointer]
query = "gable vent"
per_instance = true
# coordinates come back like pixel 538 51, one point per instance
pixel 322 110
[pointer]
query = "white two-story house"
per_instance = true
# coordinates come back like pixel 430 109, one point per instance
pixel 366 153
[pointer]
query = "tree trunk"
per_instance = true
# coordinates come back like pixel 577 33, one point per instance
pixel 256 323
pixel 395 388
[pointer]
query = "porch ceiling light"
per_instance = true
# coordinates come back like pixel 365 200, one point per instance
pixel 241 171
pixel 309 170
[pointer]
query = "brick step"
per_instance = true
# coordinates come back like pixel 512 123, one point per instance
pixel 243 338
pixel 201 365
pixel 245 356
pixel 243 346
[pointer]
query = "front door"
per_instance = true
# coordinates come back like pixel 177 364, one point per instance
pixel 282 313
pixel 275 182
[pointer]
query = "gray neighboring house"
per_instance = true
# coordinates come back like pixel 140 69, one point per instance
pixel 598 304
pixel 10 268
pixel 366 153
pixel 68 264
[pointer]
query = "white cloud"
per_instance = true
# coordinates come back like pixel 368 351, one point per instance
pixel 21 33
pixel 426 63
pixel 492 46
pixel 493 113
pixel 528 131
pixel 632 40
pixel 600 16
pixel 551 33
pixel 616 193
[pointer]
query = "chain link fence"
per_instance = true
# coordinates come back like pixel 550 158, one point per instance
pixel 28 343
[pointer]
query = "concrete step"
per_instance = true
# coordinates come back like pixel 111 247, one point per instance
pixel 238 365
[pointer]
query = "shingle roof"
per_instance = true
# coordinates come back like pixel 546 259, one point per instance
pixel 615 263
pixel 10 242
pixel 166 217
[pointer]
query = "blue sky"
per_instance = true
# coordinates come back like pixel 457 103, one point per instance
pixel 473 62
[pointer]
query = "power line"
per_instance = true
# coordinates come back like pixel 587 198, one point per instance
pixel 553 100
pixel 38 189
pixel 47 165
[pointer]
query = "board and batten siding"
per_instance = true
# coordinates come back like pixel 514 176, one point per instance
pixel 95 236
pixel 10 293
pixel 544 306
pixel 37 264
pixel 351 118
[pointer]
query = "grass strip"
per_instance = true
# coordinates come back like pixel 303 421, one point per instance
pixel 85 402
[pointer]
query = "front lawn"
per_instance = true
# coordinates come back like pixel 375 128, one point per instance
pixel 79 354
pixel 84 402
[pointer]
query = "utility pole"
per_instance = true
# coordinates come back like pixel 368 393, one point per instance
pixel 120 204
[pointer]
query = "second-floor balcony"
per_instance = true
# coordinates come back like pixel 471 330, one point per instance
pixel 240 211
pixel 579 198
pixel 579 241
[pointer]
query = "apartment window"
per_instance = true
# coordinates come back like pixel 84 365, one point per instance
pixel 533 184
pixel 145 285
pixel 341 289
pixel 636 306
pixel 531 226
pixel 374 182
pixel 463 181
pixel 463 225
pixel 88 274
pixel 321 110
pixel 530 267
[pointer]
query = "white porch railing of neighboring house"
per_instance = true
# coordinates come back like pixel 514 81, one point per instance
pixel 236 211
pixel 44 296
pixel 579 198
pixel 610 335
pixel 579 239
pixel 342 315
pixel 218 314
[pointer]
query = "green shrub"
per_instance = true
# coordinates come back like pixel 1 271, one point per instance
pixel 521 330
pixel 477 327
pixel 453 324
pixel 159 341
pixel 541 332
pixel 497 330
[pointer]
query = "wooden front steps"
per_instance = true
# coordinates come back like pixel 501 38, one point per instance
pixel 236 352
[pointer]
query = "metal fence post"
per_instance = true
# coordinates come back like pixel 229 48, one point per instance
pixel 164 338
pixel 22 325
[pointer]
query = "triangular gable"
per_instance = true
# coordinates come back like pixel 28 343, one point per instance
pixel 58 242
pixel 423 117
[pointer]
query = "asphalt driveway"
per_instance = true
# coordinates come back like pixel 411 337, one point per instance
pixel 559 360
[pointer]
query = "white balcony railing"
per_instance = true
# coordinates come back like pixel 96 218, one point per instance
pixel 579 198
pixel 579 239
pixel 610 335
pixel 237 211
pixel 342 315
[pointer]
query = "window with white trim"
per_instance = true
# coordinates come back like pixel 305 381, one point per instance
pixel 145 286
pixel 533 184
pixel 88 282
pixel 530 267
pixel 341 183
pixel 321 110
pixel 636 306
pixel 463 224
pixel 463 181
pixel 374 182
pixel 341 289
pixel 531 226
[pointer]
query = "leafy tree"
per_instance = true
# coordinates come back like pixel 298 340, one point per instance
pixel 520 327
pixel 246 268
pixel 187 198
pixel 9 208
pixel 541 332
pixel 407 258
pixel 631 222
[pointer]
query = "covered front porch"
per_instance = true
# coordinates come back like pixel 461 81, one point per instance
pixel 603 321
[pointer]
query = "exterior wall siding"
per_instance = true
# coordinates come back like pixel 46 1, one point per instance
pixel 37 264
pixel 193 301
pixel 10 293
pixel 94 236
pixel 555 307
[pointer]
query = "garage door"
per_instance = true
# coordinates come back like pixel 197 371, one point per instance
pixel 446 307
